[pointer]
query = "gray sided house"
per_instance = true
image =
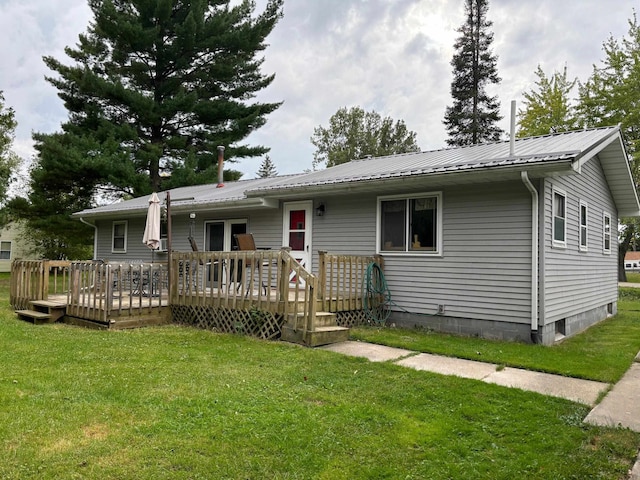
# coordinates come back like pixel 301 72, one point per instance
pixel 513 241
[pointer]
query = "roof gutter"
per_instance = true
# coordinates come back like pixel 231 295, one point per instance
pixel 95 236
pixel 535 227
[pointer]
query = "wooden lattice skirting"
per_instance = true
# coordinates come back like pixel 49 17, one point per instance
pixel 353 318
pixel 255 323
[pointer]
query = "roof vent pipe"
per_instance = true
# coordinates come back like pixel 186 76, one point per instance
pixel 220 166
pixel 512 132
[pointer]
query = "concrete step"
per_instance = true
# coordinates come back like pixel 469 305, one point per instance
pixel 320 336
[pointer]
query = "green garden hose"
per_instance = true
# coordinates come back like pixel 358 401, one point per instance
pixel 376 294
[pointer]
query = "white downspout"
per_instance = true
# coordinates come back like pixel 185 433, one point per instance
pixel 535 226
pixel 95 236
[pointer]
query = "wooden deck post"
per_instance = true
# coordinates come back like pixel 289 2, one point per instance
pixel 322 273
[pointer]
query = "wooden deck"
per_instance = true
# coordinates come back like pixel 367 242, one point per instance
pixel 217 290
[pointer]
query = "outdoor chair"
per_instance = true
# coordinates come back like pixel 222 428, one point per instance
pixel 246 242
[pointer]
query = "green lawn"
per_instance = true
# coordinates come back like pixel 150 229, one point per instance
pixel 180 403
pixel 603 352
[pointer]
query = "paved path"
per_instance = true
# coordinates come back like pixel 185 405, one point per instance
pixel 577 390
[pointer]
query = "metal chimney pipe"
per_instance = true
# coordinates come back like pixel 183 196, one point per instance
pixel 220 166
pixel 512 133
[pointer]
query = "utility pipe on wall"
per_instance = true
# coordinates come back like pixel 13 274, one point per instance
pixel 95 236
pixel 535 226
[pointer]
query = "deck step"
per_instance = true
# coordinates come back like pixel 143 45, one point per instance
pixel 43 311
pixel 34 316
pixel 323 319
pixel 320 336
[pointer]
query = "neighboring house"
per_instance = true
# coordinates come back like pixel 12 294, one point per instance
pixel 513 241
pixel 632 261
pixel 14 245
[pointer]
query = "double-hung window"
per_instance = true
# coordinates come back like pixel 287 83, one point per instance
pixel 410 224
pixel 559 218
pixel 584 227
pixel 5 250
pixel 119 237
pixel 606 240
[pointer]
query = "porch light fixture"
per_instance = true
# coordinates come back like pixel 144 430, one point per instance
pixel 320 210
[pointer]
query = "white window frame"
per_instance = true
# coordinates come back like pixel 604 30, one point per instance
pixel 113 236
pixel 558 243
pixel 606 233
pixel 407 251
pixel 583 227
pixel 10 249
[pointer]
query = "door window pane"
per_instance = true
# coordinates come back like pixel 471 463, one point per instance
pixel 297 220
pixel 296 241
pixel 216 237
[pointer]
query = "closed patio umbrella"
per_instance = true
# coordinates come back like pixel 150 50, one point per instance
pixel 151 237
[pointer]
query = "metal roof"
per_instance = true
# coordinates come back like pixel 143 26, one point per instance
pixel 528 151
pixel 233 193
pixel 543 155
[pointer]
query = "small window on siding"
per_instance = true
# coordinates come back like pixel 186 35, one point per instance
pixel 606 241
pixel 411 224
pixel 119 237
pixel 5 250
pixel 559 218
pixel 584 229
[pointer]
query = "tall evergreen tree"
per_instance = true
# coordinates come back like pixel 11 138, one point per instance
pixel 611 96
pixel 267 168
pixel 548 109
pixel 158 84
pixel 474 115
pixel 153 88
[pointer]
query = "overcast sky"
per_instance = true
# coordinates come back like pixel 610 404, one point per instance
pixel 391 56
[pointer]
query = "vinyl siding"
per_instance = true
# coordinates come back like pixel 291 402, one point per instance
pixel 484 272
pixel 577 281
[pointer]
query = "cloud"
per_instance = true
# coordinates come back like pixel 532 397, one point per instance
pixel 392 56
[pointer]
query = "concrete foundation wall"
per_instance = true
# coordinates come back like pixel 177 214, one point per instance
pixel 497 330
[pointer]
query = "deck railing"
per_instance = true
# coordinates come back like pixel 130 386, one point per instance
pixel 37 280
pixel 98 291
pixel 342 280
pixel 268 280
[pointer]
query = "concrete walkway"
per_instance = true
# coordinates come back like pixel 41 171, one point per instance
pixel 619 408
pixel 577 390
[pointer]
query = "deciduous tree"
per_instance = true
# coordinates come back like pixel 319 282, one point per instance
pixel 9 161
pixel 353 134
pixel 611 96
pixel 548 108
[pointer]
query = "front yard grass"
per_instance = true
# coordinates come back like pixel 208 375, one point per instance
pixel 181 403
pixel 603 352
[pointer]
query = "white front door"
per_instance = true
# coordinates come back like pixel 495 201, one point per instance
pixel 297 231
